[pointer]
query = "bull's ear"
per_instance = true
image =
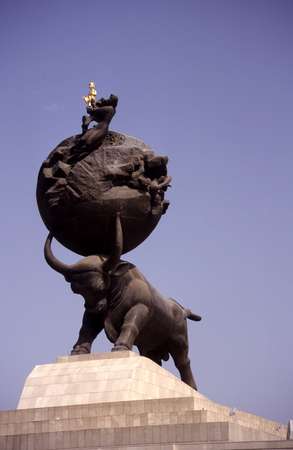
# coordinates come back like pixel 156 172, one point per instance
pixel 122 268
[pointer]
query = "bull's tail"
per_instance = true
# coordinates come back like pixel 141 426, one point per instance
pixel 188 313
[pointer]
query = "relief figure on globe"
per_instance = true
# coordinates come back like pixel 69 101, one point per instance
pixel 101 193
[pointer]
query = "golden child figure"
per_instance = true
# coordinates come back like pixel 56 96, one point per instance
pixel 90 99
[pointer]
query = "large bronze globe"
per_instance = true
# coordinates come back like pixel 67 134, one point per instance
pixel 81 186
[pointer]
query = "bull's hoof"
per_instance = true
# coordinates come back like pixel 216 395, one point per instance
pixel 80 350
pixel 120 348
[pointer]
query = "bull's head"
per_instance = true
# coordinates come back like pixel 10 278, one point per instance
pixel 89 277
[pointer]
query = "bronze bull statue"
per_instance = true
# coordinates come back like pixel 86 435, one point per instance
pixel 121 301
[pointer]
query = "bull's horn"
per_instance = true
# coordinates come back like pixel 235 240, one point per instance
pixel 112 261
pixel 53 261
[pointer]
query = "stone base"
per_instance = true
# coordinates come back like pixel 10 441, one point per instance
pixel 101 377
pixel 122 400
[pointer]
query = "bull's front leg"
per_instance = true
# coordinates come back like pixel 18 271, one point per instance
pixel 92 325
pixel 133 323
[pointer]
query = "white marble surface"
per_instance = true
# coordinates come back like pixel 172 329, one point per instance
pixel 121 377
pixel 102 377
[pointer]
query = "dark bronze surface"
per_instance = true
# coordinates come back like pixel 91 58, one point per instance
pixel 90 188
pixel 121 301
pixel 87 178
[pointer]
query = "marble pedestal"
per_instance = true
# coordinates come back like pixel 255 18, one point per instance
pixel 125 401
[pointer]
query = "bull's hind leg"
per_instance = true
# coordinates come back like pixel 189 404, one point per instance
pixel 133 323
pixel 179 353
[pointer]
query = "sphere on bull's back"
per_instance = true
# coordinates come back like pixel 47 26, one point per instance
pixel 78 199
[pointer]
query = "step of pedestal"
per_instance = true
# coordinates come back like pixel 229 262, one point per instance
pixel 137 435
pixel 109 421
pixel 125 414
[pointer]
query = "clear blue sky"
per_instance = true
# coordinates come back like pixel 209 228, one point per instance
pixel 209 83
